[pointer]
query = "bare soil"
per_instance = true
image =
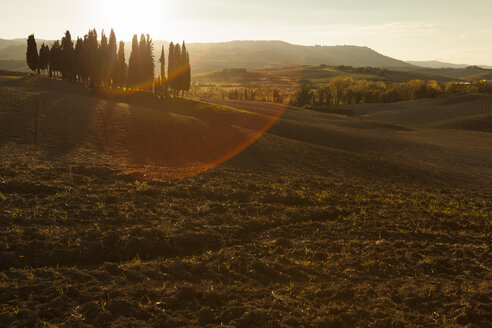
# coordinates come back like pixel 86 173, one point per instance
pixel 133 213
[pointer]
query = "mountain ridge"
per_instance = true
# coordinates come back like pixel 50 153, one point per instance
pixel 440 64
pixel 212 56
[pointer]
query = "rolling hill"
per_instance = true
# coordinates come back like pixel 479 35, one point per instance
pixel 290 76
pixel 208 57
pixel 212 57
pixel 438 64
pixel 254 54
pixel 127 210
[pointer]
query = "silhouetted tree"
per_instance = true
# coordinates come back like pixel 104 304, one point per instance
pixel 162 61
pixel 111 56
pixel 32 53
pixel 146 62
pixel 103 60
pixel 44 58
pixel 133 64
pixel 303 95
pixel 175 68
pixel 162 79
pixel 119 77
pixel 186 75
pixel 91 57
pixel 78 60
pixel 171 68
pixel 67 57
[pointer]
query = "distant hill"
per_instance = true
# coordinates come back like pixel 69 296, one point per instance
pixel 290 76
pixel 15 65
pixel 209 57
pixel 213 57
pixel 438 64
pixel 469 73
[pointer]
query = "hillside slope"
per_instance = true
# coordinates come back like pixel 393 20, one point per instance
pixel 319 220
pixel 209 57
pixel 427 113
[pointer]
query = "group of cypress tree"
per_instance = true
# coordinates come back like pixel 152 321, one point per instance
pixel 101 63
pixel 178 68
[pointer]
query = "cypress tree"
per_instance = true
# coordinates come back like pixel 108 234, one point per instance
pixel 32 53
pixel 162 61
pixel 146 61
pixel 171 67
pixel 67 57
pixel 55 58
pixel 88 61
pixel 92 57
pixel 141 61
pixel 84 59
pixel 103 62
pixel 175 68
pixel 44 57
pixel 178 69
pixel 133 67
pixel 77 60
pixel 112 48
pixel 120 67
pixel 186 77
pixel 162 79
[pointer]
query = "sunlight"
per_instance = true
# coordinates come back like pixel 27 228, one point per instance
pixel 135 17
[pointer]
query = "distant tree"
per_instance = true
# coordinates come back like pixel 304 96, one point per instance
pixel 44 58
pixel 32 53
pixel 323 96
pixel 434 90
pixel 303 95
pixel 133 64
pixel 418 89
pixel 119 77
pixel 276 97
pixel 459 88
pixel 338 88
pixel 67 57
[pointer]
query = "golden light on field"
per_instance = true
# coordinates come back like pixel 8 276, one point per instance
pixel 180 141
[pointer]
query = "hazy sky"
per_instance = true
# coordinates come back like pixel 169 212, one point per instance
pixel 449 30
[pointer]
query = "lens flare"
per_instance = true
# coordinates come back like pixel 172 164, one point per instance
pixel 170 139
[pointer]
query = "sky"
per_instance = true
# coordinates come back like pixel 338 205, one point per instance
pixel 454 31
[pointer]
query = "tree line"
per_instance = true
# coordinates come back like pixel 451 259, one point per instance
pixel 102 63
pixel 349 91
pixel 255 92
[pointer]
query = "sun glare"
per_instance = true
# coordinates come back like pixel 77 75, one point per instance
pixel 135 17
